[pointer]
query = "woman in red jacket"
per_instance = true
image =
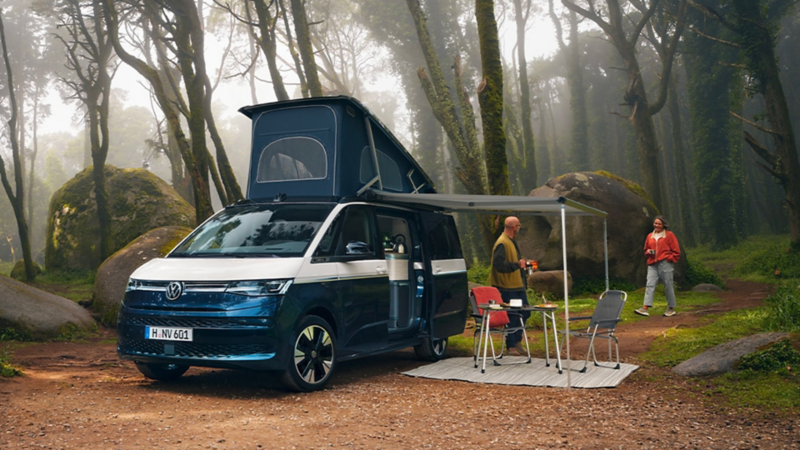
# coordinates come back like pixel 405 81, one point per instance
pixel 662 252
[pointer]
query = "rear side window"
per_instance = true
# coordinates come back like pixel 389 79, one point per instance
pixel 444 240
pixel 292 158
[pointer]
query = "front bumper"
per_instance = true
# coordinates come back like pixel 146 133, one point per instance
pixel 243 340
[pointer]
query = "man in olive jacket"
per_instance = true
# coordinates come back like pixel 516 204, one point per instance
pixel 507 276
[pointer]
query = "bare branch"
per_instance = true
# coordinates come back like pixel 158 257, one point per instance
pixel 755 125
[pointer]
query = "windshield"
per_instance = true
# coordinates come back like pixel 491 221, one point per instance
pixel 256 230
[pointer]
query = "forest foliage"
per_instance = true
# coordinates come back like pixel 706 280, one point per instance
pixel 694 100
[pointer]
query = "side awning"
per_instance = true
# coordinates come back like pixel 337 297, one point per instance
pixel 493 204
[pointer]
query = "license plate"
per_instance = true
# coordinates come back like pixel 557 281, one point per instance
pixel 168 333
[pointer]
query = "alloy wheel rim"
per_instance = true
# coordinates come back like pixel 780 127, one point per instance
pixel 313 354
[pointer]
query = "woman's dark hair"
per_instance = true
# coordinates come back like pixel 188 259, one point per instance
pixel 663 221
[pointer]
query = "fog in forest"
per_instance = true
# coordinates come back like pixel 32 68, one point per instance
pixel 697 102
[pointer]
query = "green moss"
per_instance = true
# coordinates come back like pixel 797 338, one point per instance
pixel 631 186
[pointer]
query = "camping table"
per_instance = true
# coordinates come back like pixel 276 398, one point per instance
pixel 547 314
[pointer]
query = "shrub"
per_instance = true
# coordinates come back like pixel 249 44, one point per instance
pixel 479 274
pixel 583 286
pixel 698 273
pixel 772 259
pixel 777 356
pixel 783 308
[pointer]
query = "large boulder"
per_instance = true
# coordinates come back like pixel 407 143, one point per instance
pixel 630 218
pixel 139 200
pixel 112 276
pixel 40 315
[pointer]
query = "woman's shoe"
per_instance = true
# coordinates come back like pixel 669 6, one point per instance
pixel 669 312
pixel 642 312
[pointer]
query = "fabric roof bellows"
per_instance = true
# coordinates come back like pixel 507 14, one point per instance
pixel 326 147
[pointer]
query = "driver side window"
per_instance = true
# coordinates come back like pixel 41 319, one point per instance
pixel 357 236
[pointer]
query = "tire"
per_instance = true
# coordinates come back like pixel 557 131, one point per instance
pixel 314 356
pixel 431 349
pixel 162 372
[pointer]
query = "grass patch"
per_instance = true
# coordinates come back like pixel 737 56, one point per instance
pixel 679 344
pixel 766 259
pixel 74 285
pixel 6 369
pixel 749 388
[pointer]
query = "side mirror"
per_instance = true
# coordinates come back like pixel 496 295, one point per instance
pixel 357 248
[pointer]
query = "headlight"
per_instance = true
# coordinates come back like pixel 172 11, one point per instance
pixel 259 288
pixel 133 285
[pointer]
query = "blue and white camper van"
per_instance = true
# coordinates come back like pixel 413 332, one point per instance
pixel 313 268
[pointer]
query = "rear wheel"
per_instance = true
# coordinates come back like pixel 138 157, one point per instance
pixel 431 349
pixel 313 356
pixel 162 372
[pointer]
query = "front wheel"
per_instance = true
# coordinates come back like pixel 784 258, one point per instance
pixel 431 349
pixel 162 372
pixel 314 356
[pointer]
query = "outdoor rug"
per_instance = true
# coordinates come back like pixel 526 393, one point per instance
pixel 533 374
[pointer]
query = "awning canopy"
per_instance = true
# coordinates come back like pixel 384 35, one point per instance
pixel 496 204
pixel 518 205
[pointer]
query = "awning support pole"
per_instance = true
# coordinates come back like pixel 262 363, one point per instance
pixel 605 247
pixel 566 295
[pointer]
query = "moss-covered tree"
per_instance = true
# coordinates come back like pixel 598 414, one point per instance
pixel 710 80
pixel 755 27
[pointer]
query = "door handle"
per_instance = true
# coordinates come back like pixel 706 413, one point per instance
pixel 380 269
pixel 437 269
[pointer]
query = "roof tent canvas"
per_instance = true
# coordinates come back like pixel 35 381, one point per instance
pixel 326 147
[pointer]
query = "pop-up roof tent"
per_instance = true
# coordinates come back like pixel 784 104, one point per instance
pixel 329 148
pixel 326 147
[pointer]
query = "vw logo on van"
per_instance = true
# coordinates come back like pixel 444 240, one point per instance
pixel 174 290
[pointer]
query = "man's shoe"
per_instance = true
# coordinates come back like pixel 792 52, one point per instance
pixel 641 312
pixel 518 349
pixel 669 312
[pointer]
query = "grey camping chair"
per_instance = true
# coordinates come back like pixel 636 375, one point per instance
pixel 602 325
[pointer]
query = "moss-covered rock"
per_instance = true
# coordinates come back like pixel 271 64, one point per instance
pixel 18 272
pixel 139 200
pixel 112 276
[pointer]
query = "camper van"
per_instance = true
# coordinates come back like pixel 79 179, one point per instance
pixel 313 268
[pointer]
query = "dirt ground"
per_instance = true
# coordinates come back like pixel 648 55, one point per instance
pixel 79 395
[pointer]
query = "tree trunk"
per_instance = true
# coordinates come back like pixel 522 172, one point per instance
pixel 306 48
pixel 17 200
pixel 266 26
pixel 579 145
pixel 684 208
pixel 490 96
pixel 528 145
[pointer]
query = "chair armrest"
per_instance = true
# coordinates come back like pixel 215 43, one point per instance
pixel 580 318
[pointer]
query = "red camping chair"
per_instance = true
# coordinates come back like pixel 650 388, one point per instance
pixel 498 320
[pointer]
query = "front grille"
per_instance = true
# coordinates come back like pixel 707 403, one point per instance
pixel 185 322
pixel 191 349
